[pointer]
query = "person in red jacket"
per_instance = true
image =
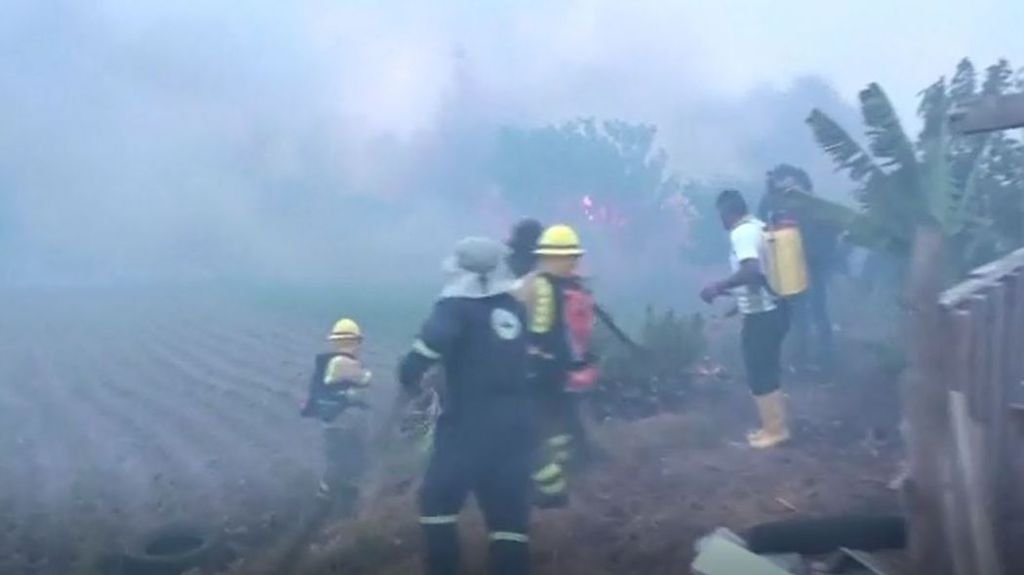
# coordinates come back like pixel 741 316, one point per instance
pixel 561 312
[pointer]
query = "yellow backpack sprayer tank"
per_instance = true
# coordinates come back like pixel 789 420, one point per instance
pixel 787 270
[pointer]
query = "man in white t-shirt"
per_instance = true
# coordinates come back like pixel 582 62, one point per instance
pixel 765 318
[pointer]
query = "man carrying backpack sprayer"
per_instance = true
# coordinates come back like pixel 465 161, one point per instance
pixel 337 398
pixel 765 317
pixel 561 312
pixel 486 435
pixel 522 245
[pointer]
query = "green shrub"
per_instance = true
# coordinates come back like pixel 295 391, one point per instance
pixel 639 383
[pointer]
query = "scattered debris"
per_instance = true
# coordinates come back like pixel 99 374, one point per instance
pixel 786 504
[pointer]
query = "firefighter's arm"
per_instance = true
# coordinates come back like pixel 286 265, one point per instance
pixel 437 339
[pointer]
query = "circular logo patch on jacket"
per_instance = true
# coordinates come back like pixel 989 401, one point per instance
pixel 505 324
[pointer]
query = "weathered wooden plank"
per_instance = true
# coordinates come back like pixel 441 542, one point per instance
pixel 1003 483
pixel 982 277
pixel 1016 336
pixel 1013 477
pixel 1000 267
pixel 959 294
pixel 976 383
pixel 997 308
pixel 955 335
pixel 967 439
pixel 989 114
pixel 993 443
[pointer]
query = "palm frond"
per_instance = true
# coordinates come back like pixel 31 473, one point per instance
pixel 966 173
pixel 933 110
pixel 848 155
pixel 886 137
pixel 964 86
pixel 861 228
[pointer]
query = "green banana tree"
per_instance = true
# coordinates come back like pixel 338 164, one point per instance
pixel 900 185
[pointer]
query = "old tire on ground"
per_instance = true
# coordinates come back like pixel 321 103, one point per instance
pixel 170 550
pixel 827 534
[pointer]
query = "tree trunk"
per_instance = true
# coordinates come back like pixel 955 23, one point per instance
pixel 925 409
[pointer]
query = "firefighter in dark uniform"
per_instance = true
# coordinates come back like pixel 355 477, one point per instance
pixel 485 438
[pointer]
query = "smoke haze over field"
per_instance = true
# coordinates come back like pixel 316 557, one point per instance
pixel 213 138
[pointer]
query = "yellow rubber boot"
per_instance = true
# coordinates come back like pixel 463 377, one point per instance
pixel 774 428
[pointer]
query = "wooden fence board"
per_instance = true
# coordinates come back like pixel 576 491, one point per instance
pixel 974 355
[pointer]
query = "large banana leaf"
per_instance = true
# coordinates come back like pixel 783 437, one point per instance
pixel 843 149
pixel 860 228
pixel 887 139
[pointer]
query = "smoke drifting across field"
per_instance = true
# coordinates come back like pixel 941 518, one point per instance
pixel 326 140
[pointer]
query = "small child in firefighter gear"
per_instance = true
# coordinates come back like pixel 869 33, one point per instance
pixel 337 398
pixel 485 438
pixel 561 312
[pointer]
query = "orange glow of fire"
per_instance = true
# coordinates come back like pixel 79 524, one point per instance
pixel 601 214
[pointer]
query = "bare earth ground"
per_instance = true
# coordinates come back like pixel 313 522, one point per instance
pixel 121 412
pixel 672 478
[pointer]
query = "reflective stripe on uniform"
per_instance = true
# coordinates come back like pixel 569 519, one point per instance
pixel 423 349
pixel 560 440
pixel 554 488
pixel 509 536
pixel 439 519
pixel 549 472
pixel 543 306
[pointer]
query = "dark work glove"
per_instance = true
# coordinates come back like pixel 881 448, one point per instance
pixel 411 370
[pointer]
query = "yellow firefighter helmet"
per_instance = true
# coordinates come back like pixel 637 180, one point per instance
pixel 345 329
pixel 559 240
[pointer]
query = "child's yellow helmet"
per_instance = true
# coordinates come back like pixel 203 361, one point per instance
pixel 345 329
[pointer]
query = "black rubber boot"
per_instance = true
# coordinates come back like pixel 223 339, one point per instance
pixel 509 558
pixel 442 546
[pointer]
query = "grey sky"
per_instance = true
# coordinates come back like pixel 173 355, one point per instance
pixel 137 130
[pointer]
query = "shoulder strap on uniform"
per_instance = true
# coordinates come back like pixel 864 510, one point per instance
pixel 322 360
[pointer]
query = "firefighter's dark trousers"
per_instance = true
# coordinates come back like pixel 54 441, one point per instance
pixel 345 462
pixel 493 461
pixel 812 326
pixel 563 424
pixel 761 339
